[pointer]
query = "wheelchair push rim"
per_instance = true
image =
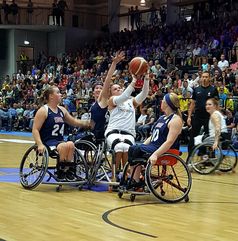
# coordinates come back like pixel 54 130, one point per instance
pixel 33 167
pixel 229 159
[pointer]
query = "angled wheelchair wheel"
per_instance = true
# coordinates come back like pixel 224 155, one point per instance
pixel 33 167
pixel 125 178
pixel 229 159
pixel 87 149
pixel 102 170
pixel 203 159
pixel 81 167
pixel 169 180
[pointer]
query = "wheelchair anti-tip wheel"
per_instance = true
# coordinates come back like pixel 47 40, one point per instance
pixel 169 179
pixel 33 167
pixel 203 159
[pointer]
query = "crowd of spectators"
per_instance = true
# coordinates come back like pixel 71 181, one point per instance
pixel 176 54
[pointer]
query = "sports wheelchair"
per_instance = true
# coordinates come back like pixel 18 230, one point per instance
pixel 100 162
pixel 35 169
pixel 169 179
pixel 204 160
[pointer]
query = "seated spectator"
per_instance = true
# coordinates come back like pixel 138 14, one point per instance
pixel 157 70
pixel 5 116
pixel 196 55
pixel 34 108
pixel 204 51
pixel 13 112
pixel 144 129
pixel 223 63
pixel 138 85
pixel 215 68
pixel 9 95
pixel 141 120
pixel 68 104
pixel 178 80
pixel 26 117
pixel 186 88
pixel 222 96
pixel 229 102
pixel 153 85
pixel 19 122
pixel 205 64
pixel 230 122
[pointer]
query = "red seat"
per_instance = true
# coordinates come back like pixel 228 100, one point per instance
pixel 168 160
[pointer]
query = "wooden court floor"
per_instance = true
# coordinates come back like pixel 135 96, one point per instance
pixel 44 214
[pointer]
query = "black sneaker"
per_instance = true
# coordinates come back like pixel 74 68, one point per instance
pixel 60 174
pixel 136 185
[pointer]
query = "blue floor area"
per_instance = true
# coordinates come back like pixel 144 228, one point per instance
pixel 11 175
pixel 16 133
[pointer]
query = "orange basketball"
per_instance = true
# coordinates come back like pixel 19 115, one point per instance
pixel 138 66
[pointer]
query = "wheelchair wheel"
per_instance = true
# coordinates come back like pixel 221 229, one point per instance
pixel 169 180
pixel 125 175
pixel 102 168
pixel 81 171
pixel 203 159
pixel 87 149
pixel 33 167
pixel 229 159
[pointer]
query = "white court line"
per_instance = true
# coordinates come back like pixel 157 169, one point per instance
pixel 17 141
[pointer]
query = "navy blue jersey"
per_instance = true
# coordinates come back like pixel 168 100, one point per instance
pixel 159 135
pixel 201 94
pixel 52 130
pixel 98 115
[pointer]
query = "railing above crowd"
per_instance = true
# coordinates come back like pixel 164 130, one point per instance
pixel 44 16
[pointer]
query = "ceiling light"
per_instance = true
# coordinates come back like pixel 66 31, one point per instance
pixel 26 42
pixel 142 3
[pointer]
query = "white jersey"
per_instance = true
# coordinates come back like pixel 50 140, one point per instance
pixel 122 117
pixel 223 124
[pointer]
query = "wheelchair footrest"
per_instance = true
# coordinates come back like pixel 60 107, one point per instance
pixel 138 191
pixel 65 182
